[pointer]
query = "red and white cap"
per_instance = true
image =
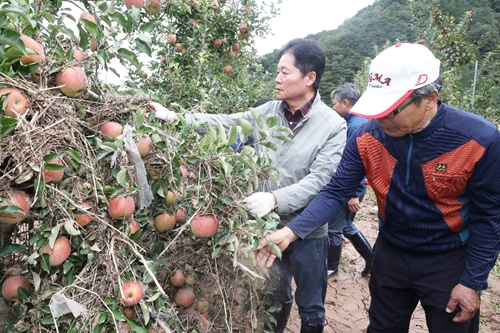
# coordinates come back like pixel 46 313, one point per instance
pixel 394 74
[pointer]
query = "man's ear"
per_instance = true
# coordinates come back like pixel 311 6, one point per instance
pixel 311 78
pixel 431 100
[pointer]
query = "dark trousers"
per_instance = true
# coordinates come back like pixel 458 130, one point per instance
pixel 305 260
pixel 400 279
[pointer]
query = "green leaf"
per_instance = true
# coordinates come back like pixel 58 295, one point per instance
pixel 36 280
pixel 246 127
pixel 73 154
pixel 130 56
pixel 56 167
pixel 53 235
pixel 150 26
pixel 17 11
pixel 284 129
pixel 257 117
pixel 222 133
pixel 142 47
pixel 223 164
pixel 270 145
pixel 120 19
pixel 12 38
pixel 11 209
pixel 7 125
pixel 49 157
pixel 102 318
pixel 284 138
pixel 11 248
pixel 70 229
pixel 122 178
pixel 24 295
pixel 272 121
pixel 232 135
pixel 275 248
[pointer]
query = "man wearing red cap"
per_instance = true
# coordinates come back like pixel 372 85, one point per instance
pixel 434 170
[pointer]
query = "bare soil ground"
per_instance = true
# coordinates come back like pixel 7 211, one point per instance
pixel 348 298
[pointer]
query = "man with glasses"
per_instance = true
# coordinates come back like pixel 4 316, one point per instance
pixel 434 170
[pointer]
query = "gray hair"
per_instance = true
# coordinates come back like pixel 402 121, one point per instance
pixel 427 90
pixel 348 91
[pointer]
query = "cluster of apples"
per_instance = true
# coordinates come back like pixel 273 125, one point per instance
pixel 152 6
pixel 185 296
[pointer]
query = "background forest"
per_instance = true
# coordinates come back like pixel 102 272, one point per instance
pixel 459 32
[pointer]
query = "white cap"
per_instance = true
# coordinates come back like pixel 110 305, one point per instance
pixel 394 74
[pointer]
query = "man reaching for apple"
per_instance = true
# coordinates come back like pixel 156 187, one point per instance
pixel 305 166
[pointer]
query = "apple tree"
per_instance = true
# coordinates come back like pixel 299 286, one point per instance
pixel 99 171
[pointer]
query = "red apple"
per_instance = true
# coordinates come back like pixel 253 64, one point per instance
pixel 184 297
pixel 214 4
pixel 37 76
pixel 217 42
pixel 53 176
pixel 134 226
pixel 177 278
pixel 228 69
pixel 245 35
pixel 172 38
pixel 33 45
pixel 170 198
pixel 204 226
pixel 246 9
pixel 132 291
pixel 78 54
pixel 17 104
pixel 205 315
pixel 164 222
pixel 130 3
pixel 191 278
pixel 93 44
pixel 231 54
pixel 180 216
pixel 178 46
pixel 121 208
pixel 89 17
pixel 10 285
pixel 73 81
pixel 81 216
pixel 144 146
pixel 235 47
pixel 242 27
pixel 197 2
pixel 110 130
pixel 184 172
pixel 15 198
pixel 129 312
pixel 60 252
pixel 153 6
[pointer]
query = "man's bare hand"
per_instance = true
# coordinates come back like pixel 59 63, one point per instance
pixel 354 205
pixel 282 238
pixel 468 300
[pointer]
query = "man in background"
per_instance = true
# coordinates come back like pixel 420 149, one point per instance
pixel 343 98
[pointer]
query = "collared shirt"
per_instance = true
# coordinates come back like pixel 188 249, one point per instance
pixel 294 118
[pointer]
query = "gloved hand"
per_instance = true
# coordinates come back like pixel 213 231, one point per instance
pixel 260 203
pixel 163 113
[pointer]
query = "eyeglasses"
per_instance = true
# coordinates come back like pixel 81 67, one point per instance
pixel 399 109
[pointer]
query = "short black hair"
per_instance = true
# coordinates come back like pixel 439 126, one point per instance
pixel 309 57
pixel 261 102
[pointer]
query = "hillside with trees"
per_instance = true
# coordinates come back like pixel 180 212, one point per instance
pixel 474 25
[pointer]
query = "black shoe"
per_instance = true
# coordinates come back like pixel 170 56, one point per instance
pixel 282 317
pixel 334 252
pixel 364 249
pixel 311 329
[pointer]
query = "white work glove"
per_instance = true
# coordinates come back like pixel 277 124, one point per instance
pixel 163 113
pixel 260 203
